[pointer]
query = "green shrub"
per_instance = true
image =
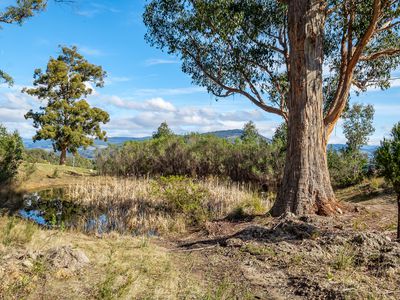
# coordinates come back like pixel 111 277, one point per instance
pixel 183 195
pixel 11 149
pixel 346 168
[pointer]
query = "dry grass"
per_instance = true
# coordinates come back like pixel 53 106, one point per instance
pixel 35 176
pixel 168 206
pixel 121 267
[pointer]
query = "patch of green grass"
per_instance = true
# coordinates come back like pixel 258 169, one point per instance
pixel 226 289
pixel 18 289
pixel 254 249
pixel 344 259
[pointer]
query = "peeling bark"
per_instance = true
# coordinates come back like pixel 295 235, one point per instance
pixel 306 186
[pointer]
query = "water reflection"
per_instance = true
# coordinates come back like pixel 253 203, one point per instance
pixel 51 208
pixel 54 210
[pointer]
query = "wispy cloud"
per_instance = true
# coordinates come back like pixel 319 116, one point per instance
pixel 168 92
pixel 155 104
pixel 160 61
pixel 387 109
pixel 117 79
pixel 91 51
pixel 148 114
pixel 94 9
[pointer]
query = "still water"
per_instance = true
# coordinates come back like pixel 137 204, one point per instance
pixel 52 209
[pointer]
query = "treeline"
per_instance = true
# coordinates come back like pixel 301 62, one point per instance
pixel 249 158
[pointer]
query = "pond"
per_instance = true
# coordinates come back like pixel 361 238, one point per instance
pixel 52 209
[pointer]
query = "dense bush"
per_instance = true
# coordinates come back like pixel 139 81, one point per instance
pixel 196 155
pixel 11 149
pixel 183 195
pixel 346 167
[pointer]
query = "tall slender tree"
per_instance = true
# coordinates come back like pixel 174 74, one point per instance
pixel 162 131
pixel 273 52
pixel 357 125
pixel 250 133
pixel 67 119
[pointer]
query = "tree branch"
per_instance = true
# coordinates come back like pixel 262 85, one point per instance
pixel 339 102
pixel 232 90
pixel 379 54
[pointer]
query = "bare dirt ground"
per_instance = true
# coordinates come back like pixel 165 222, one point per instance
pixel 349 256
pixel 353 255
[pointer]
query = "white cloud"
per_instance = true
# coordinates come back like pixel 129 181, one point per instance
pixel 94 9
pixel 168 92
pixel 115 79
pixel 12 114
pixel 387 110
pixel 157 104
pixel 160 61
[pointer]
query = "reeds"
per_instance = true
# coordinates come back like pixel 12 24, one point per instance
pixel 149 206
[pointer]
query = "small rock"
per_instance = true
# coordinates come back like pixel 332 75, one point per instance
pixel 27 264
pixel 67 257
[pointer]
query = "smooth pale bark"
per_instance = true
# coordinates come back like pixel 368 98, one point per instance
pixel 63 157
pixel 306 186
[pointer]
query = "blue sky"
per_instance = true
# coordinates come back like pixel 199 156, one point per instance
pixel 144 86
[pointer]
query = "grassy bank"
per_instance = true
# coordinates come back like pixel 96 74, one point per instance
pixel 34 176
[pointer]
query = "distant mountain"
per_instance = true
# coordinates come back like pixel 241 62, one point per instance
pixel 29 144
pixel 368 149
pixel 225 134
pixel 231 134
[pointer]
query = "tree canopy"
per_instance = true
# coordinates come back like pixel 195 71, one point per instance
pixel 242 47
pixel 67 119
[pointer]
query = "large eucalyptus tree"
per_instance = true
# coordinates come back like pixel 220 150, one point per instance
pixel 274 53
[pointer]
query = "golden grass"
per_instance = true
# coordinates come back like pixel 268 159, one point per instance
pixel 35 176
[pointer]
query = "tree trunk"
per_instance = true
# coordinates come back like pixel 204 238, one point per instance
pixel 398 217
pixel 63 157
pixel 306 186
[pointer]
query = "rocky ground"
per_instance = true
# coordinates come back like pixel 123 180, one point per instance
pixel 349 256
